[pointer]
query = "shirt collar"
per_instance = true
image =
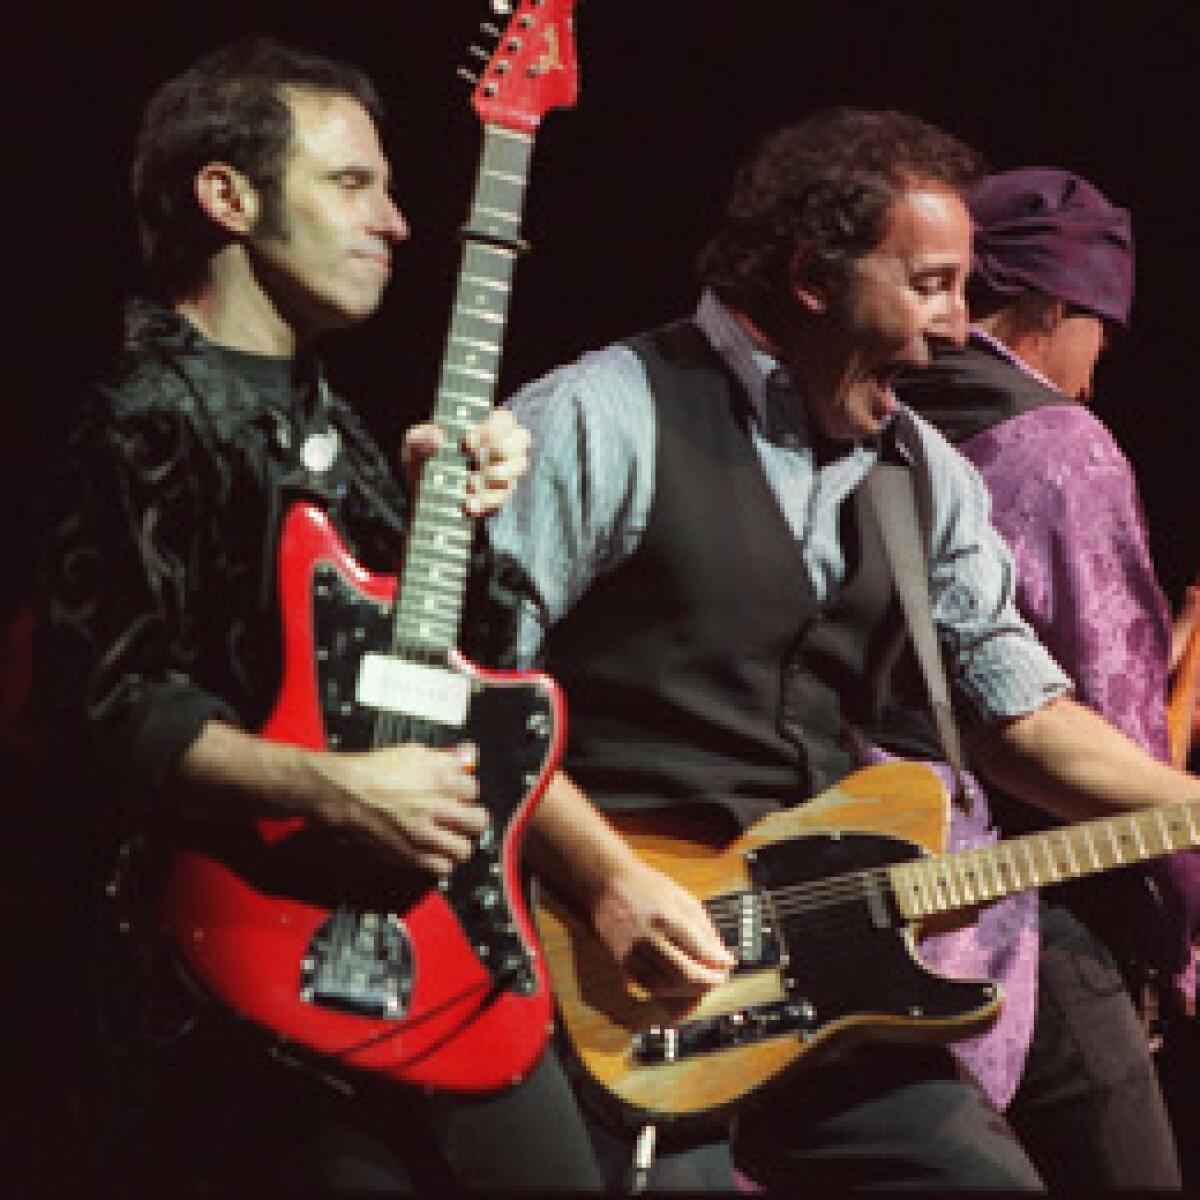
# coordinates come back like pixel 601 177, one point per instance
pixel 980 335
pixel 751 366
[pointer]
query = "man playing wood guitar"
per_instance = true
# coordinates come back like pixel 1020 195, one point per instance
pixel 706 584
pixel 263 199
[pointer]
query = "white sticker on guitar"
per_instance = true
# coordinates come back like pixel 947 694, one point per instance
pixel 398 686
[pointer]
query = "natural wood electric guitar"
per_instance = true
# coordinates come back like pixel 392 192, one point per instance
pixel 364 964
pixel 821 905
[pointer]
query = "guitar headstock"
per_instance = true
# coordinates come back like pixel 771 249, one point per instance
pixel 533 67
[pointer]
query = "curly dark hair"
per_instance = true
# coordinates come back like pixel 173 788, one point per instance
pixel 826 182
pixel 228 107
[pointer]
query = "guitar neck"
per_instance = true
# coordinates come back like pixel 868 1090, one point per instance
pixel 968 878
pixel 433 583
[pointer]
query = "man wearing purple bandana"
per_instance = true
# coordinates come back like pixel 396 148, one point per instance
pixel 1052 272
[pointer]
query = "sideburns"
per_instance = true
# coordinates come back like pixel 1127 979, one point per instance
pixel 272 218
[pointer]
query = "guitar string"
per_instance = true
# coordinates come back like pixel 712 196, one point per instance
pixel 811 897
pixel 394 728
pixel 807 896
pixel 840 920
pixel 839 889
pixel 850 891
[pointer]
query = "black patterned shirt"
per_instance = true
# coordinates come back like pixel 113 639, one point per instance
pixel 159 606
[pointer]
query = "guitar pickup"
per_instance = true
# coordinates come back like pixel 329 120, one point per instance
pixel 661 1045
pixel 414 689
pixel 754 942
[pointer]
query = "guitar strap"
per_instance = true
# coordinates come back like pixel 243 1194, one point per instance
pixel 891 493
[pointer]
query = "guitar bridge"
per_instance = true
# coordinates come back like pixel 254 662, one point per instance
pixel 661 1045
pixel 360 963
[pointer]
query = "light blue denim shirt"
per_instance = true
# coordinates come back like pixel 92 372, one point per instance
pixel 583 507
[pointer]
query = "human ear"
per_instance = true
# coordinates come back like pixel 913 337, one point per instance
pixel 1040 314
pixel 227 197
pixel 809 282
pixel 1053 315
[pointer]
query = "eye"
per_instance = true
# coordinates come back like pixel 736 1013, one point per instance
pixel 931 284
pixel 351 178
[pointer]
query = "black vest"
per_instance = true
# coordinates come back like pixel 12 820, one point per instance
pixel 968 389
pixel 702 669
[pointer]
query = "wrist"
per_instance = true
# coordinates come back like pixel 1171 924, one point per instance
pixel 323 780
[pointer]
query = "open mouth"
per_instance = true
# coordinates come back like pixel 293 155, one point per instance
pixel 880 381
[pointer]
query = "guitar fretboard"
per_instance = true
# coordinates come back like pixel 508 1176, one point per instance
pixel 946 883
pixel 429 606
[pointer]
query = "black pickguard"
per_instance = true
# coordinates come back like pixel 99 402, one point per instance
pixel 512 724
pixel 844 949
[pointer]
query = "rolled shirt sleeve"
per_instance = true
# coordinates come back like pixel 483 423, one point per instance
pixel 994 659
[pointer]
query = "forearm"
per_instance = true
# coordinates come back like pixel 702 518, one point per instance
pixel 660 933
pixel 414 801
pixel 572 845
pixel 228 774
pixel 1065 759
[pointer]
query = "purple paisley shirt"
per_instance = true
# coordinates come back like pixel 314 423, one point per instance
pixel 1065 500
pixel 1001 945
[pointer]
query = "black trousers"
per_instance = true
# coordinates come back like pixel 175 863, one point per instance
pixel 225 1118
pixel 1088 1115
pixel 1089 1110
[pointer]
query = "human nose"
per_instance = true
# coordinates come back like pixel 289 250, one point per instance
pixel 388 220
pixel 950 321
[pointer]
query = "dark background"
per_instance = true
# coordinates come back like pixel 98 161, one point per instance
pixel 623 190
pixel 625 186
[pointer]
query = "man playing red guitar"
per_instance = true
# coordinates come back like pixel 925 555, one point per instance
pixel 266 219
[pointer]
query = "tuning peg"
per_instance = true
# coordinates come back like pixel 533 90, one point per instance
pixel 502 8
pixel 489 29
pixel 479 52
pixel 463 73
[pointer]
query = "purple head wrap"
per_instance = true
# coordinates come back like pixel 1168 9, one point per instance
pixel 1045 230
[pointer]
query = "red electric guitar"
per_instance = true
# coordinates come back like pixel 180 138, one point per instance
pixel 367 965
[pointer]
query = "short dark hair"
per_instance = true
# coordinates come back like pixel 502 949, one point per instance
pixel 228 107
pixel 826 182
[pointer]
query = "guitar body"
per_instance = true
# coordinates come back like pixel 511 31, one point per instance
pixel 361 962
pixel 812 976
